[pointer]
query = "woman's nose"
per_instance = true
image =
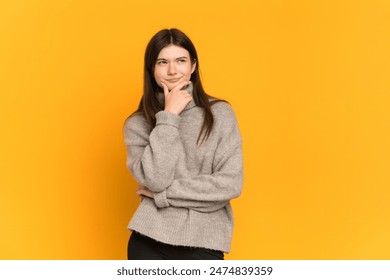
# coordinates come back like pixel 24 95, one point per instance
pixel 171 69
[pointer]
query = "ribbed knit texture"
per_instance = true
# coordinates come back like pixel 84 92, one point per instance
pixel 192 184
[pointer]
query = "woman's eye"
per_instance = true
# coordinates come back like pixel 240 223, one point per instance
pixel 182 60
pixel 161 62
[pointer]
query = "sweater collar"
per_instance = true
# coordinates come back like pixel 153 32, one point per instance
pixel 189 89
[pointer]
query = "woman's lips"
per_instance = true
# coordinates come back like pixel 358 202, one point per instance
pixel 173 80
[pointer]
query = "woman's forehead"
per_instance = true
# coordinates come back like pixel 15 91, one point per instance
pixel 173 51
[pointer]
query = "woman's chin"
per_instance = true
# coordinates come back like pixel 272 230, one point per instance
pixel 171 85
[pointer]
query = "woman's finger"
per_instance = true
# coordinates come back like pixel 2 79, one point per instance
pixel 165 88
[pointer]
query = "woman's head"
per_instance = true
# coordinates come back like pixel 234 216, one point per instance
pixel 173 65
pixel 169 57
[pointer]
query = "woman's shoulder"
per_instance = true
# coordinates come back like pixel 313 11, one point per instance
pixel 221 109
pixel 226 121
pixel 136 120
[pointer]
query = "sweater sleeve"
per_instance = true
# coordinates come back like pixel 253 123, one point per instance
pixel 209 192
pixel 151 155
pixel 200 206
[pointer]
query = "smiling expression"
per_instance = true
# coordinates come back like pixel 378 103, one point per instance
pixel 173 65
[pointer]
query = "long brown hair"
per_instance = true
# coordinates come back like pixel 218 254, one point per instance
pixel 149 104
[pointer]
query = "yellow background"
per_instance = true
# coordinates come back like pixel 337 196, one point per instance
pixel 309 81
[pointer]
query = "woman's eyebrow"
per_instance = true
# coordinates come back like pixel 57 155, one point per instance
pixel 182 57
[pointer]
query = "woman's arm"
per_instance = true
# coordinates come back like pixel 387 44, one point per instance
pixel 205 191
pixel 152 155
pixel 152 158
pixel 200 206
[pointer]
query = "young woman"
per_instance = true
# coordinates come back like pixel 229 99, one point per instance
pixel 184 150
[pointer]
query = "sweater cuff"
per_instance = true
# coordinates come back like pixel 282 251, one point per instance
pixel 168 118
pixel 160 199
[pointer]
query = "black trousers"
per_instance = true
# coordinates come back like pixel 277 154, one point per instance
pixel 141 247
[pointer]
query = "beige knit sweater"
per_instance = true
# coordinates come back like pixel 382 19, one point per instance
pixel 192 184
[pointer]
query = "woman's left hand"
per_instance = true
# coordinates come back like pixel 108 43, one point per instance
pixel 144 191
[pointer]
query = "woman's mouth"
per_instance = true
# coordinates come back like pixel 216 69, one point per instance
pixel 173 80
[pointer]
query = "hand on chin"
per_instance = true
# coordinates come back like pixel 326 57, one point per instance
pixel 172 85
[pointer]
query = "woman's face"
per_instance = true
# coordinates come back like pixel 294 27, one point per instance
pixel 173 65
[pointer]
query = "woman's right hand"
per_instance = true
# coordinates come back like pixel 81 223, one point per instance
pixel 177 98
